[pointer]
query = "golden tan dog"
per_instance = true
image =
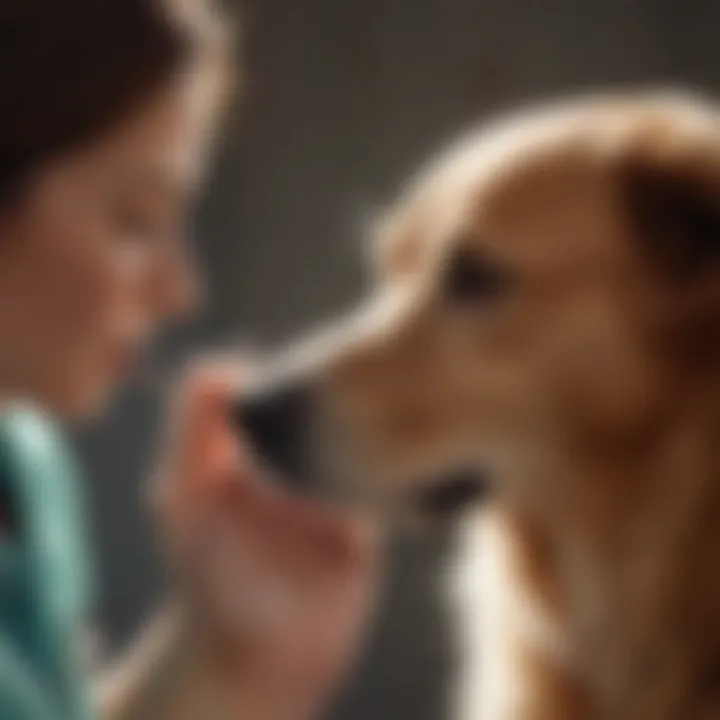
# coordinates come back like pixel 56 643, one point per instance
pixel 547 315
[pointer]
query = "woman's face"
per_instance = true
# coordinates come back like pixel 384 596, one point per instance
pixel 92 256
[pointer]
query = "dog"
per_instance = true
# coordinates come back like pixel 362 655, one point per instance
pixel 540 358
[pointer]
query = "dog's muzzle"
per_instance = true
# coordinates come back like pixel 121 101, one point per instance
pixel 282 421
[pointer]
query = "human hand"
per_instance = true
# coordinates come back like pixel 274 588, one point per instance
pixel 279 586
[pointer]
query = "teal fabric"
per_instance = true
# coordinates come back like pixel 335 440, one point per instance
pixel 45 585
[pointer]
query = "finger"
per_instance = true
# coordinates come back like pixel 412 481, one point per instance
pixel 323 535
pixel 262 519
pixel 221 535
pixel 304 546
pixel 199 447
pixel 311 546
pixel 254 587
pixel 188 515
pixel 199 430
pixel 273 573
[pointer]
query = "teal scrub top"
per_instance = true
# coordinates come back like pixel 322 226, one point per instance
pixel 44 573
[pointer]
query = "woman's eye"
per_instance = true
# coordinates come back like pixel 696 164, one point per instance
pixel 472 278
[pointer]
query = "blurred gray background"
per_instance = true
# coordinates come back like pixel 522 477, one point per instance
pixel 344 98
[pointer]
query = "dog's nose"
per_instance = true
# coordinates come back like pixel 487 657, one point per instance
pixel 277 421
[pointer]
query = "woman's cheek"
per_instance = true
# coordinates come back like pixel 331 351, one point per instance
pixel 95 317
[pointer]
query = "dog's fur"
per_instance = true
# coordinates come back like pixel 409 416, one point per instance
pixel 577 363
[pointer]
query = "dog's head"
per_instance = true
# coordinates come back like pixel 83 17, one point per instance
pixel 550 286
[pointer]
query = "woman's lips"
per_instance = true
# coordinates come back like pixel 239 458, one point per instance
pixel 123 358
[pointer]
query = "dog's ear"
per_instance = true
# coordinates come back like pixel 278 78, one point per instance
pixel 674 213
pixel 673 208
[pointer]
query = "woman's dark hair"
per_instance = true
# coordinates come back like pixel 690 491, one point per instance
pixel 71 70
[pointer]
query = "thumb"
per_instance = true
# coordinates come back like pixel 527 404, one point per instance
pixel 199 446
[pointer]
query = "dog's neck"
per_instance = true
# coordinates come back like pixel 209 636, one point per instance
pixel 635 542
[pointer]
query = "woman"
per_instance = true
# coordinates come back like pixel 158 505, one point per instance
pixel 107 110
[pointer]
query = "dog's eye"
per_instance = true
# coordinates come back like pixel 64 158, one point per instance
pixel 471 278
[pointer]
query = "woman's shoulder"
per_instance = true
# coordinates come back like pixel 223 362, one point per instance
pixel 49 572
pixel 36 456
pixel 32 437
pixel 42 478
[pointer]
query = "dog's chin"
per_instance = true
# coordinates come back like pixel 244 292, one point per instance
pixel 438 499
pixel 289 444
pixel 300 467
pixel 450 495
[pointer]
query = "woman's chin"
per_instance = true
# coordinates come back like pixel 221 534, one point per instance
pixel 76 402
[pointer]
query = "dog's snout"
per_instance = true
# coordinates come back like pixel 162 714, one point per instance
pixel 277 422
